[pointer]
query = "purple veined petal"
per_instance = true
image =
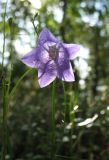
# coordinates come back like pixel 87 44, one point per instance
pixel 64 68
pixel 35 57
pixel 72 50
pixel 47 73
pixel 43 56
pixel 65 71
pixel 30 59
pixel 62 55
pixel 45 36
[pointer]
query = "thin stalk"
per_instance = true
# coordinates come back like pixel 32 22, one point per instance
pixel 11 55
pixel 73 102
pixel 63 157
pixel 65 106
pixel 53 121
pixel 4 93
pixel 71 117
pixel 35 28
pixel 18 83
pixel 4 34
pixel 6 98
pixel 5 104
pixel 63 127
pixel 9 84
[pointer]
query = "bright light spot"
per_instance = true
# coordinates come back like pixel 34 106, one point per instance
pixel 62 121
pixel 58 14
pixel 88 120
pixel 102 88
pixel 76 107
pixel 69 126
pixel 21 49
pixel 82 64
pixel 3 1
pixel 65 139
pixel 73 136
pixel 91 19
pixel 57 11
pixel 6 54
pixel 83 53
pixel 83 67
pixel 108 108
pixel 102 112
pixel 83 4
pixel 35 3
pixel 82 83
pixel 98 5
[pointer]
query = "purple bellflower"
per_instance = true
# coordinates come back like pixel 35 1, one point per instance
pixel 52 59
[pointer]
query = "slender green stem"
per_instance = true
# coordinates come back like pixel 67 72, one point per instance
pixel 6 98
pixel 65 106
pixel 35 28
pixel 18 82
pixel 73 102
pixel 33 20
pixel 63 157
pixel 63 127
pixel 5 109
pixel 4 93
pixel 11 55
pixel 53 121
pixel 4 35
pixel 71 118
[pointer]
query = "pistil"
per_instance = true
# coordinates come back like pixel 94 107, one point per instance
pixel 53 51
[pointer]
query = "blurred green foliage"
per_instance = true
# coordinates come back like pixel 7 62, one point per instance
pixel 86 136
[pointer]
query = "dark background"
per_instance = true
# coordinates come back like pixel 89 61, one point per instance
pixel 85 22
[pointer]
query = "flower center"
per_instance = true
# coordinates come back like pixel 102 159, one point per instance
pixel 53 51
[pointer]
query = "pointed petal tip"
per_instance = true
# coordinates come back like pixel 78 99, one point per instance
pixel 72 50
pixel 23 59
pixel 43 85
pixel 69 79
pixel 44 30
pixel 79 47
pixel 66 73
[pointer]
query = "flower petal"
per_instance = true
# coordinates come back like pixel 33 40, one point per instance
pixel 30 59
pixel 47 73
pixel 45 36
pixel 65 71
pixel 36 57
pixel 72 50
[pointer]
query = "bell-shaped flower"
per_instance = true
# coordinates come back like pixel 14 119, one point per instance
pixel 52 59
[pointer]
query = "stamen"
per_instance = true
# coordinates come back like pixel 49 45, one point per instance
pixel 53 51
